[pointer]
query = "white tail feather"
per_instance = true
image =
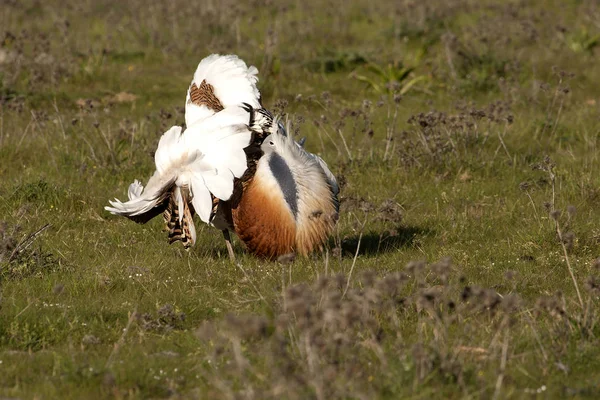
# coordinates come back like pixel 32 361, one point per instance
pixel 200 197
pixel 180 205
pixel 203 160
pixel 135 190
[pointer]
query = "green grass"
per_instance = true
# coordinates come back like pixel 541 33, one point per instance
pixel 95 306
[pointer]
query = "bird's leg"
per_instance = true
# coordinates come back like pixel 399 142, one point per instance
pixel 229 246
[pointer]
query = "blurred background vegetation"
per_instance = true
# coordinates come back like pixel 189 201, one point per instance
pixel 465 138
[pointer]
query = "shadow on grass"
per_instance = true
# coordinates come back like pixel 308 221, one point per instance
pixel 372 243
pixel 386 241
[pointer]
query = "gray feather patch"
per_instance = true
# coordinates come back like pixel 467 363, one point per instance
pixel 282 173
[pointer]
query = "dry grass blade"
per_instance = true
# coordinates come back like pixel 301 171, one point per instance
pixel 117 346
pixel 355 257
pixel 27 241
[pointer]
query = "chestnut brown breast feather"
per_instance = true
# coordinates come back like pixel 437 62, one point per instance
pixel 262 222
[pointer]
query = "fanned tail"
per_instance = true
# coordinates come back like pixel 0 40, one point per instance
pixel 146 206
pixel 220 82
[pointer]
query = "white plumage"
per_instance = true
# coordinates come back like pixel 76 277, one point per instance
pixel 233 83
pixel 202 161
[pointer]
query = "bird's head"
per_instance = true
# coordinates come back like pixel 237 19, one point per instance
pixel 269 145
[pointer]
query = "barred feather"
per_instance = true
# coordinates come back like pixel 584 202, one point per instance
pixel 220 82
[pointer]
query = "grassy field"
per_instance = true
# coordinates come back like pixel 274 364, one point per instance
pixel 465 135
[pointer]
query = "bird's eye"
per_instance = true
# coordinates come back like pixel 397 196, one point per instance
pixel 272 143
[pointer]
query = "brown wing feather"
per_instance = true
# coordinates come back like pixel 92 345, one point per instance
pixel 204 95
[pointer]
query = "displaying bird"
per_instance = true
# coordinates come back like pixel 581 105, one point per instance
pixel 236 166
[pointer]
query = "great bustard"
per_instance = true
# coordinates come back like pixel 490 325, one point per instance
pixel 238 169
